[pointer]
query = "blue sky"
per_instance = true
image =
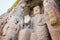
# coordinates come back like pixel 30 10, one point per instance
pixel 5 5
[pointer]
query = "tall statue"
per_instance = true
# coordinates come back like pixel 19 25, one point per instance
pixel 39 24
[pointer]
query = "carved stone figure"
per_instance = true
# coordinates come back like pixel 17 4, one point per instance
pixel 39 24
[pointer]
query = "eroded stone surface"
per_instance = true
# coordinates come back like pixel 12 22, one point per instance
pixel 52 17
pixel 33 36
pixel 24 34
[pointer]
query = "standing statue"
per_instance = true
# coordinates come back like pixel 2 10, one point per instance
pixel 39 24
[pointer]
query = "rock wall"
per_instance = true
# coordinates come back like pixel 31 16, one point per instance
pixel 43 23
pixel 52 16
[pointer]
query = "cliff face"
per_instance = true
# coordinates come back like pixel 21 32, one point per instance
pixel 40 12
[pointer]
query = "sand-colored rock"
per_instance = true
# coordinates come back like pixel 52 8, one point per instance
pixel 52 17
pixel 24 34
pixel 42 33
pixel 11 23
pixel 33 36
pixel 3 21
pixel 10 30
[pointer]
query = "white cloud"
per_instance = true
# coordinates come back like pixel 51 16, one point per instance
pixel 5 4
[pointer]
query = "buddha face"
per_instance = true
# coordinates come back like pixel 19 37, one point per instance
pixel 36 10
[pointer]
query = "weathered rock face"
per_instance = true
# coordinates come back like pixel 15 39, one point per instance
pixel 12 27
pixel 52 9
pixel 33 36
pixel 10 30
pixel 3 21
pixel 52 16
pixel 12 24
pixel 24 34
pixel 42 33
